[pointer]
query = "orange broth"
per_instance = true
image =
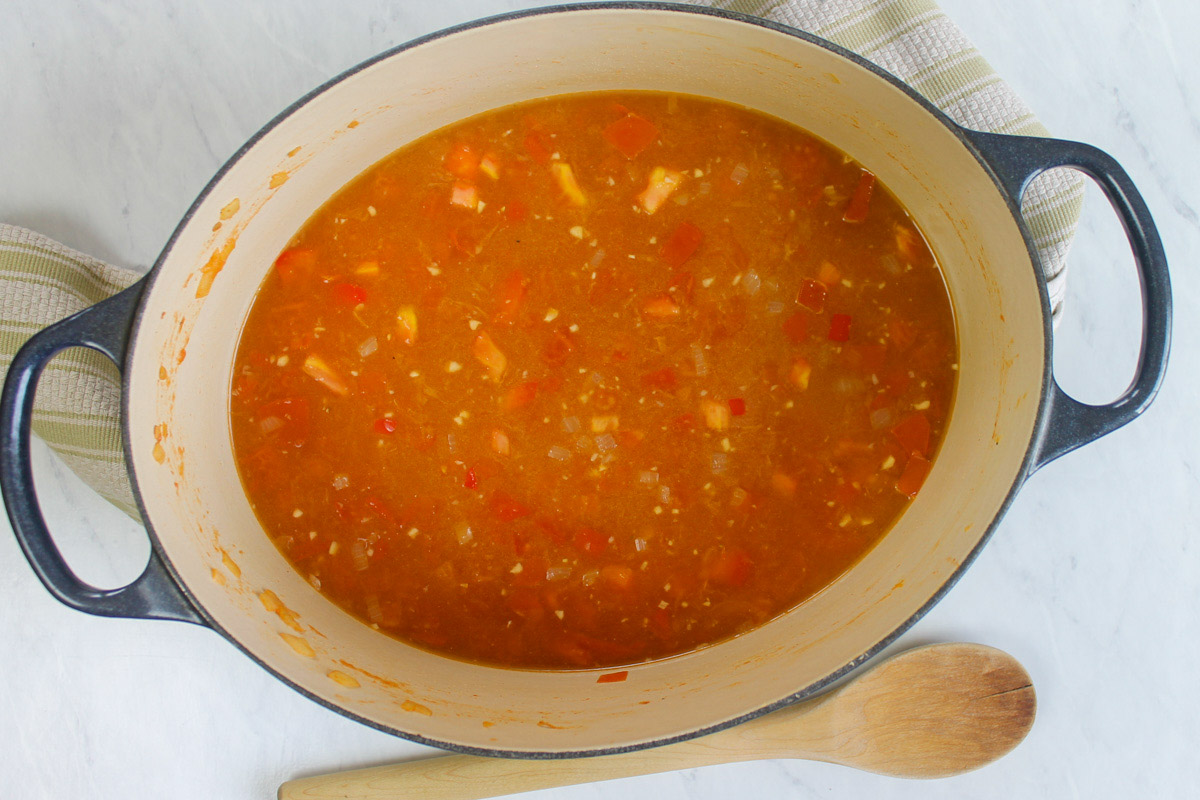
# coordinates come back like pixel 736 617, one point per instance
pixel 593 380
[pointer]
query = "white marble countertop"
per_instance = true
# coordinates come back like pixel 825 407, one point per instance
pixel 116 113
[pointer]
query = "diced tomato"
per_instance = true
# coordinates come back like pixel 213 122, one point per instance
pixel 519 396
pixel 349 294
pixel 664 379
pixel 913 433
pixel 683 282
pixel 462 160
pixel 812 295
pixel 506 508
pixel 617 576
pixel 631 134
pixel 839 328
pixel 737 406
pixel 662 306
pixel 471 480
pixel 385 425
pixel 856 209
pixel 795 327
pixel 295 263
pixel 590 541
pixel 511 296
pixel 516 211
pixel 731 567
pixel 801 372
pixel 682 244
pixel 629 439
pixel 914 475
pixel 537 144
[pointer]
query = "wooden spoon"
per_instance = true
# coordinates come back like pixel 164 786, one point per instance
pixel 929 712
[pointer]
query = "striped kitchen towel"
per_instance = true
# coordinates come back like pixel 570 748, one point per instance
pixel 78 402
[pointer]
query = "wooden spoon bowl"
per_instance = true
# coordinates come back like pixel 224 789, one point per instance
pixel 929 712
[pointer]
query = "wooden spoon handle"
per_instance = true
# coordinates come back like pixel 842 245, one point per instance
pixel 471 777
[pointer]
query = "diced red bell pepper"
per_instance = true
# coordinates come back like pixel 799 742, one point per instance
pixel 349 294
pixel 812 295
pixel 631 134
pixel 839 328
pixel 912 433
pixel 914 475
pixel 737 406
pixel 682 244
pixel 462 160
pixel 860 202
pixel 471 480
pixel 385 425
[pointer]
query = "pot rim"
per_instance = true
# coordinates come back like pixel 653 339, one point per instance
pixel 1027 463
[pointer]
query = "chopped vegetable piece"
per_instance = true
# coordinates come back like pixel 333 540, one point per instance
pixel 464 194
pixel 349 294
pixel 295 263
pixel 511 295
pixel 470 480
pixel 318 370
pixel 663 379
pixel 486 353
pixel 913 432
pixel 662 306
pixel 662 184
pixel 489 166
pixel 839 328
pixel 500 443
pixel 795 327
pixel 385 425
pixel 860 202
pixel 737 406
pixel 519 396
pixel 812 295
pixel 682 244
pixel 913 477
pixel 631 134
pixel 613 677
pixel 716 415
pixel 800 372
pixel 558 453
pixel 462 161
pixel 909 243
pixel 566 181
pixel 605 422
pixel 505 508
pixel 590 541
pixel 828 274
pixel 406 323
pixel 783 484
pixel 368 269
pixel 731 567
pixel 902 334
pixel 537 144
pixel 618 577
pixel 516 211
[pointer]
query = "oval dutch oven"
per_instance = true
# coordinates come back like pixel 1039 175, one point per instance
pixel 963 188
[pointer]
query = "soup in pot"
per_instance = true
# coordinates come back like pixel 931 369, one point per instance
pixel 593 380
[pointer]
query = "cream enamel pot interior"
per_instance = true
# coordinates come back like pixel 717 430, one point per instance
pixel 176 348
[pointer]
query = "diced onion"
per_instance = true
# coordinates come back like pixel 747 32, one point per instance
pixel 720 461
pixel 358 553
pixel 739 174
pixel 751 282
pixel 738 496
pixel 270 424
pixel 464 534
pixel 559 573
pixel 583 444
pixel 559 453
pixel 451 443
pixel 664 493
pixel 597 257
pixel 774 307
pixel 605 442
pixel 571 424
pixel 699 360
pixel 646 476
pixel 640 545
pixel 589 578
pixel 374 612
pixel 368 346
pixel 882 418
pixel 341 481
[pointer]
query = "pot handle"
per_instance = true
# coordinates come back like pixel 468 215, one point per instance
pixel 1016 161
pixel 104 327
